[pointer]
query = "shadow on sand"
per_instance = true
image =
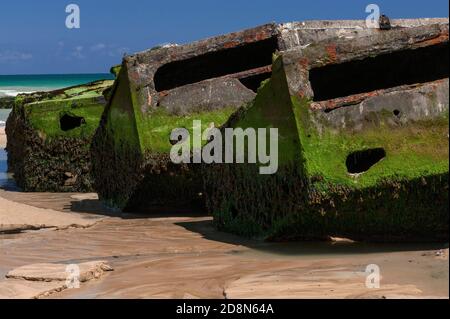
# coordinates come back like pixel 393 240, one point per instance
pixel 95 206
pixel 202 224
pixel 301 248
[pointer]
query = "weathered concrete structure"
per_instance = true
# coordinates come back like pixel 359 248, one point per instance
pixel 168 87
pixel 165 88
pixel 363 143
pixel 49 135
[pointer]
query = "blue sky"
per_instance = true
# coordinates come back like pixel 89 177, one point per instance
pixel 35 40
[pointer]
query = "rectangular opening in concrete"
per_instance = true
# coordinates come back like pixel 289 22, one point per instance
pixel 253 82
pixel 381 72
pixel 215 64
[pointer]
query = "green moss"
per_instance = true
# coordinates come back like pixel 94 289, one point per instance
pixel 272 109
pixel 412 150
pixel 116 70
pixel 121 115
pixel 45 117
pixel 312 196
pixel 150 131
pixel 84 101
pixel 134 140
pixel 155 128
pixel 43 156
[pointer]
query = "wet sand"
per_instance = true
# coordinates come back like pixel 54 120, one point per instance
pixel 176 256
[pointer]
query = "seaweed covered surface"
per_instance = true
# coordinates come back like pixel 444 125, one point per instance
pixel 373 170
pixel 168 87
pixel 131 153
pixel 49 135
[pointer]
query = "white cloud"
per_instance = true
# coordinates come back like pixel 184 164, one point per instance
pixel 98 47
pixel 111 50
pixel 90 51
pixel 118 52
pixel 14 56
pixel 59 48
pixel 78 52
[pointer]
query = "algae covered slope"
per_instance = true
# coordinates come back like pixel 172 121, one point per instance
pixel 165 88
pixel 131 152
pixel 359 157
pixel 49 135
pixel 169 86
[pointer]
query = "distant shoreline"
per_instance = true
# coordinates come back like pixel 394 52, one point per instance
pixel 13 85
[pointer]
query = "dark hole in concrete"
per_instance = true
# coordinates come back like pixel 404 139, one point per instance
pixel 397 113
pixel 254 82
pixel 381 72
pixel 69 122
pixel 361 161
pixel 234 212
pixel 215 64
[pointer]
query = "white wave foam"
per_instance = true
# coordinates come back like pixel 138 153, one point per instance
pixel 14 91
pixel 2 123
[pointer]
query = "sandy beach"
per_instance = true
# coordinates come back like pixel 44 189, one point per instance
pixel 183 256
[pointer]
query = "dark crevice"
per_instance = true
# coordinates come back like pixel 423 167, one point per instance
pixel 234 212
pixel 361 161
pixel 254 82
pixel 69 122
pixel 215 64
pixel 382 72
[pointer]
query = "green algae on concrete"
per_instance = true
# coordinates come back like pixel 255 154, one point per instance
pixel 316 193
pixel 131 152
pixel 49 135
pixel 115 70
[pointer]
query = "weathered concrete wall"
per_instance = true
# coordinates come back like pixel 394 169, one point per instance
pixel 162 75
pixel 168 87
pixel 222 66
pixel 49 135
pixel 372 165
pixel 165 88
pixel 296 34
